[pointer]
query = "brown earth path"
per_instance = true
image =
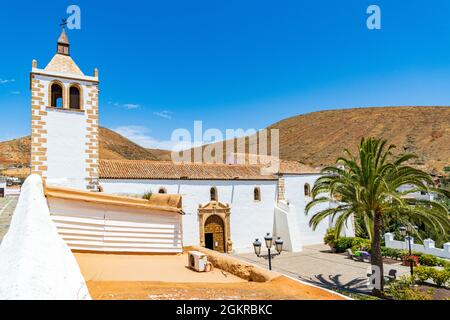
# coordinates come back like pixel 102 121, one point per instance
pixel 167 277
pixel 280 288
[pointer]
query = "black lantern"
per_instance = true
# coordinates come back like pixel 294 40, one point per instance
pixel 269 242
pixel 279 245
pixel 406 232
pixel 257 247
pixel 268 238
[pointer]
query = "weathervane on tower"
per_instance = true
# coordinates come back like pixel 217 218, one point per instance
pixel 63 23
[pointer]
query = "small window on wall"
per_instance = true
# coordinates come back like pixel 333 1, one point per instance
pixel 307 190
pixel 257 194
pixel 56 96
pixel 74 93
pixel 213 194
pixel 162 191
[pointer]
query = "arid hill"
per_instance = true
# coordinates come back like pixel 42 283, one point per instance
pixel 318 138
pixel 115 146
pixel 112 146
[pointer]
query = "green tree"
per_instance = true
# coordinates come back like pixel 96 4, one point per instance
pixel 367 186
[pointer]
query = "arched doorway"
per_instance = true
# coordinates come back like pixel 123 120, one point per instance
pixel 214 225
pixel 215 233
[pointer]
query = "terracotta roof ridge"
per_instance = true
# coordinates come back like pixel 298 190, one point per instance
pixel 177 163
pixel 160 202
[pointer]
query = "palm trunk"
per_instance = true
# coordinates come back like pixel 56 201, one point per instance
pixel 375 254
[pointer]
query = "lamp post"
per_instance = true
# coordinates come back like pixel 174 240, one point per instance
pixel 268 239
pixel 406 232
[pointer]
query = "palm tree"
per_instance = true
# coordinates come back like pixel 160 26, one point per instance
pixel 367 187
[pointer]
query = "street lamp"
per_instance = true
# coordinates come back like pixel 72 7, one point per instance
pixel 269 243
pixel 406 232
pixel 257 247
pixel 279 245
pixel 268 238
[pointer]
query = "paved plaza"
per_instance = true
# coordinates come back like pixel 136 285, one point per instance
pixel 317 265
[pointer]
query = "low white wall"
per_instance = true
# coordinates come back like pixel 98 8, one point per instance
pixel 427 247
pixel 109 228
pixel 35 263
pixel 12 192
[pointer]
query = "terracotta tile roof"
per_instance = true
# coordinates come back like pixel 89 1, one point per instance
pixel 64 64
pixel 295 167
pixel 285 166
pixel 141 169
pixel 157 202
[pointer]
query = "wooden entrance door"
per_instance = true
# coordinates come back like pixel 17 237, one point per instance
pixel 214 225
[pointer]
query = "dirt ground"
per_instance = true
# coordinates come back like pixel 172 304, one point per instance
pixel 148 268
pixel 281 288
pixel 167 277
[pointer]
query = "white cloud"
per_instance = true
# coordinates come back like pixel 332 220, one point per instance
pixel 164 114
pixel 128 106
pixel 141 136
pixel 5 81
pixel 131 106
pixel 15 92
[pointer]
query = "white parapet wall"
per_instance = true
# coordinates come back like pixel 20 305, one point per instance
pixel 427 247
pixel 35 263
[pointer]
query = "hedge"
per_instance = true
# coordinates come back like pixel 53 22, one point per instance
pixel 439 277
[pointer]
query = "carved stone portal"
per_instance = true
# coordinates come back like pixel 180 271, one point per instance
pixel 214 225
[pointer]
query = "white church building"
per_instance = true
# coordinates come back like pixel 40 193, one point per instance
pixel 224 207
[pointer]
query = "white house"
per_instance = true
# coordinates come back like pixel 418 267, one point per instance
pixel 225 206
pixel 2 187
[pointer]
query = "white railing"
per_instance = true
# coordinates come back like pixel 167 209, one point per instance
pixel 427 247
pixel 35 263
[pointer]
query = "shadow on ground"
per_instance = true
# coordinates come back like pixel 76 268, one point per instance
pixel 357 285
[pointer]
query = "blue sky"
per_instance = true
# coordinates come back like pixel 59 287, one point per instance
pixel 232 64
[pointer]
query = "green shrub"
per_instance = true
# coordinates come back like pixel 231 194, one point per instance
pixel 330 237
pixel 402 289
pixel 396 254
pixel 147 195
pixel 361 244
pixel 423 273
pixel 440 277
pixel 429 260
pixel 444 263
pixel 343 244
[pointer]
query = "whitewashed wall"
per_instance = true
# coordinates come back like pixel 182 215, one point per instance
pixel 3 186
pixel 66 148
pixel 286 227
pixel 428 246
pixel 12 192
pixel 249 219
pixel 417 195
pixel 109 228
pixel 35 263
pixel 295 196
pixel 66 138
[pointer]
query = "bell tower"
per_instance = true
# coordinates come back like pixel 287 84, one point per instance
pixel 64 121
